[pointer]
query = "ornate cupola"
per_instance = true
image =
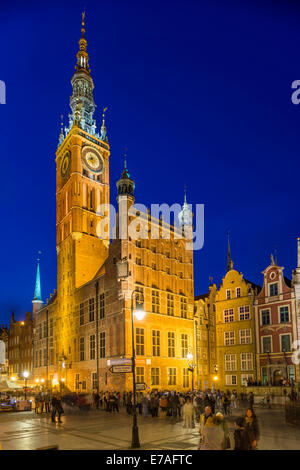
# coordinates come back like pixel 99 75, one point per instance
pixel 185 216
pixel 82 100
pixel 125 185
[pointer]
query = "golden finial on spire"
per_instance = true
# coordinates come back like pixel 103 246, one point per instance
pixel 83 24
pixel 103 115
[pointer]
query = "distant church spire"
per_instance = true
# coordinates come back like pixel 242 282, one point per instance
pixel 103 135
pixel 229 265
pixel 37 291
pixel 185 216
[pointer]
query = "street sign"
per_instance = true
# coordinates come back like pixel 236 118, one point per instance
pixel 140 386
pixel 119 361
pixel 121 369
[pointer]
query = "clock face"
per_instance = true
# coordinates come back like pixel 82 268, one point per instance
pixel 65 165
pixel 92 160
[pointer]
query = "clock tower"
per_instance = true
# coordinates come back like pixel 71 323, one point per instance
pixel 82 182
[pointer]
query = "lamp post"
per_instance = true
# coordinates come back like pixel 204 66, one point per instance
pixel 25 374
pixel 191 367
pixel 139 313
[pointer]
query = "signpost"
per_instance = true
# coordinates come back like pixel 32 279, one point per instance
pixel 127 368
pixel 140 386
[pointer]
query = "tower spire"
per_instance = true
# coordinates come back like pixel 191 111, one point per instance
pixel 229 265
pixel 82 55
pixel 103 135
pixel 185 216
pixel 37 290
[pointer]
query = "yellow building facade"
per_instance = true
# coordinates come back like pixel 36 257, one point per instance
pixel 235 331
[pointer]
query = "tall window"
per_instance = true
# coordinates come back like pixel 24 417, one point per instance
pixel 228 294
pixel 170 304
pixel 238 292
pixel 183 307
pixel 102 344
pixel 155 342
pixel 140 341
pixel 244 312
pixel 171 376
pixel 273 289
pixel 184 345
pixel 81 348
pixel 140 374
pixel 155 301
pixel 285 341
pixel 102 305
pixel 246 361
pixel 51 327
pixel 94 380
pixel 229 338
pixel 154 376
pixel 231 380
pixel 265 317
pixel 77 381
pixel 266 343
pixel 185 378
pixel 171 344
pixel 92 309
pixel 81 314
pixel 92 347
pixel 284 314
pixel 228 315
pixel 40 331
pixel 245 337
pixel 45 329
pixel 230 362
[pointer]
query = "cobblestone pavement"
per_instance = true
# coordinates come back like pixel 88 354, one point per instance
pixel 101 430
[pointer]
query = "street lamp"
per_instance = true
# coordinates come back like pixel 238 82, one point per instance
pixel 191 367
pixel 25 374
pixel 140 314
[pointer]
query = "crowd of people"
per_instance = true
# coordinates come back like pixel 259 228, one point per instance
pixel 207 410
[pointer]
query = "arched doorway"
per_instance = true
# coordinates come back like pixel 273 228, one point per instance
pixel 277 377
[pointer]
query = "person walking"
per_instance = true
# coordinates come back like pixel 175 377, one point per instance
pixel 54 408
pixel 251 400
pixel 205 420
pixel 59 408
pixel 47 402
pixel 163 403
pixel 223 424
pixel 241 437
pixel 213 436
pixel 251 426
pixel 188 414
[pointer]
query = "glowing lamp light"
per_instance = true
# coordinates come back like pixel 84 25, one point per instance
pixel 190 356
pixel 42 380
pixel 215 378
pixel 139 311
pixel 26 374
pixel 63 379
pixel 54 382
pixel 37 381
pixel 13 378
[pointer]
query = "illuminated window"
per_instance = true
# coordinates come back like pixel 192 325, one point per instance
pixel 184 345
pixel 171 344
pixel 154 376
pixel 155 342
pixel 171 376
pixel 140 341
pixel 102 344
pixel 185 378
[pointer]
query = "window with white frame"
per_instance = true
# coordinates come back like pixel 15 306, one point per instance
pixel 140 374
pixel 155 342
pixel 284 314
pixel 238 292
pixel 229 338
pixel 273 289
pixel 266 344
pixel 231 380
pixel 244 312
pixel 230 362
pixel 171 375
pixel 246 361
pixel 94 380
pixel 285 342
pixel 154 376
pixel 245 336
pixel 228 315
pixel 92 347
pixel 228 294
pixel 265 317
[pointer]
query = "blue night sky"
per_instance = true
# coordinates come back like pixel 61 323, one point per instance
pixel 199 92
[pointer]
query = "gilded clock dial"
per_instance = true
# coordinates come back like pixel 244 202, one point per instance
pixel 92 160
pixel 65 165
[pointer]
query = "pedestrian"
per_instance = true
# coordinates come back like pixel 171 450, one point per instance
pixel 54 408
pixel 188 414
pixel 241 437
pixel 250 424
pixel 59 408
pixel 205 419
pixel 163 403
pixel 213 436
pixel 47 402
pixel 223 424
pixel 251 400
